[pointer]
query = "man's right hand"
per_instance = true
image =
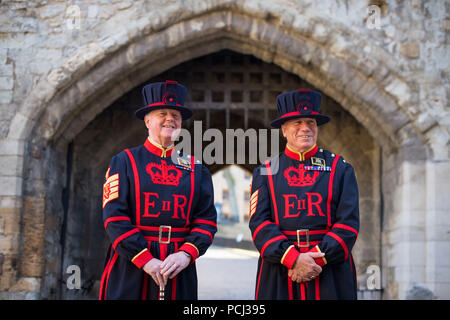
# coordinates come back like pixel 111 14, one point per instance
pixel 305 268
pixel 153 268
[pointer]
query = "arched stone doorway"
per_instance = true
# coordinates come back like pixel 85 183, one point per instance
pixel 61 106
pixel 228 90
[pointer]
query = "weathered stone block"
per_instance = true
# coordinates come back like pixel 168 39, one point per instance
pixel 34 233
pixel 27 284
pixel 410 50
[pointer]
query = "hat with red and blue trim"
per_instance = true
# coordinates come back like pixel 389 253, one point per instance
pixel 301 103
pixel 162 95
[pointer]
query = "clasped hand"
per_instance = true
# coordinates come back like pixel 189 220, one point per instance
pixel 305 268
pixel 160 271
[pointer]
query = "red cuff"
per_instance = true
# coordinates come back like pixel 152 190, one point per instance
pixel 320 261
pixel 289 257
pixel 191 249
pixel 142 258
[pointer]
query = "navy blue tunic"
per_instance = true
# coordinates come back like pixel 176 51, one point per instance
pixel 154 206
pixel 305 202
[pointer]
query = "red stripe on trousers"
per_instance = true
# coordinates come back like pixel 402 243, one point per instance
pixel 103 280
pixel 317 288
pixel 302 291
pixel 291 294
pixel 110 266
pixel 259 279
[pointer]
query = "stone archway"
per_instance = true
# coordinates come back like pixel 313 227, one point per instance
pixel 221 104
pixel 63 103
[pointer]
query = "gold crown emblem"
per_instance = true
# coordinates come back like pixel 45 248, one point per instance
pixel 299 177
pixel 163 173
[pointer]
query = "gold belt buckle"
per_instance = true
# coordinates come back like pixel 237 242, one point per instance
pixel 307 238
pixel 160 234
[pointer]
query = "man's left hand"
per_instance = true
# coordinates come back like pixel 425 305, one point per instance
pixel 173 264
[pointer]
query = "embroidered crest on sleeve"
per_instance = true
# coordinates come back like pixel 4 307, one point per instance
pixel 110 188
pixel 253 203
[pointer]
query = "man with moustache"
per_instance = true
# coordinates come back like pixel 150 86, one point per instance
pixel 158 207
pixel 304 211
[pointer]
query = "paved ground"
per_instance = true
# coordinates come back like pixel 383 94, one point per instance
pixel 227 274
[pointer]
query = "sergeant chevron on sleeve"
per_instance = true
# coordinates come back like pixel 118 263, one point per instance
pixel 158 208
pixel 304 211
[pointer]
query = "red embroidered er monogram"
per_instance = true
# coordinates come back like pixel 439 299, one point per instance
pixel 164 174
pixel 298 177
pixel 178 204
pixel 291 201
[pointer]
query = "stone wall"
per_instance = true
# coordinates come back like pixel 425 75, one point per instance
pixel 59 70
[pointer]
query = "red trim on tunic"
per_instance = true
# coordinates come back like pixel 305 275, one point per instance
pixel 341 242
pixel 137 188
pixel 301 156
pixel 320 261
pixel 109 267
pixel 290 257
pixel 102 294
pixel 142 258
pixel 304 249
pixel 123 236
pixel 330 190
pixel 272 192
pixel 192 189
pixel 203 231
pixel 343 226
pixel 154 238
pixel 158 150
pixel 111 219
pixel 302 233
pixel 204 221
pixel 262 225
pixel 173 229
pixel 191 249
pixel 281 237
